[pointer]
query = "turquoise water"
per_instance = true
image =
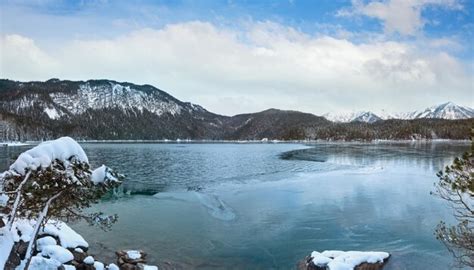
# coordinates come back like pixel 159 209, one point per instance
pixel 266 206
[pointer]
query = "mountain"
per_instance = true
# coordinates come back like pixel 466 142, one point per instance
pixel 272 123
pixel 106 109
pixel 447 110
pixel 111 110
pixel 362 116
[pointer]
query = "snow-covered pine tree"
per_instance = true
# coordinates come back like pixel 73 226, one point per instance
pixel 456 187
pixel 54 180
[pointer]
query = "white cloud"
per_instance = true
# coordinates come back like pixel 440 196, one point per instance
pixel 265 65
pixel 402 16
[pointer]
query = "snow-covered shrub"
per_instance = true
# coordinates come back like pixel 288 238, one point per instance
pixel 54 180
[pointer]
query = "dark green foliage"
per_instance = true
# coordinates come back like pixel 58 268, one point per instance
pixel 456 186
pixel 72 181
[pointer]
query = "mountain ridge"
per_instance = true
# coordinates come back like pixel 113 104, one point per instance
pixel 107 109
pixel 447 110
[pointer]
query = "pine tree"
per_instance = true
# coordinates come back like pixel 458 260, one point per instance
pixel 61 190
pixel 456 186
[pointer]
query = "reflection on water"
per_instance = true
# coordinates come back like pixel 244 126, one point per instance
pixel 265 206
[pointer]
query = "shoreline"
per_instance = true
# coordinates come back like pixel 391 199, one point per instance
pixel 263 141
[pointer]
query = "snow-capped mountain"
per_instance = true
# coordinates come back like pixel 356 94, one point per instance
pixel 361 116
pixel 66 98
pixel 106 109
pixel 447 110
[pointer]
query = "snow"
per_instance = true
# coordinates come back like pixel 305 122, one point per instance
pixel 13 143
pixel 58 253
pixel 45 153
pixel 113 266
pixel 116 95
pixel 361 116
pixel 318 259
pixel 150 267
pixel 346 260
pixel 6 244
pixel 134 254
pixel 41 263
pixel 98 266
pixel 69 267
pixel 447 110
pixel 67 236
pixel 101 175
pixel 45 241
pixel 47 245
pixel 25 227
pixel 52 113
pixel 3 200
pixel 89 260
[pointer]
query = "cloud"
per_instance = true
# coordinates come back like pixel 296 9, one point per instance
pixel 263 65
pixel 401 16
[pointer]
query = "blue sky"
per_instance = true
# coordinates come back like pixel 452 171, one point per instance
pixel 420 52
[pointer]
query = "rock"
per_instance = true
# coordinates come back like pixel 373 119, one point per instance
pixel 371 266
pixel 16 255
pixel 128 266
pixel 83 266
pixel 89 260
pixel 308 264
pixel 78 256
pixel 130 256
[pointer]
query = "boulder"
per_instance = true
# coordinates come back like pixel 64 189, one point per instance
pixel 373 260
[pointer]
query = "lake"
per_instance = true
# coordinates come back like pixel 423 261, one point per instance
pixel 266 206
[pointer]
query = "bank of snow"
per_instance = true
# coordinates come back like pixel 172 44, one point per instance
pixel 346 260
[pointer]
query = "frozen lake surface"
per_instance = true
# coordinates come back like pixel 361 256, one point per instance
pixel 266 206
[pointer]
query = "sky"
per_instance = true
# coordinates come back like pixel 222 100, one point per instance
pixel 234 57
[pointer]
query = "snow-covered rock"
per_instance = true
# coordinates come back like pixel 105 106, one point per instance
pixel 112 266
pixel 58 253
pixel 102 174
pixel 41 263
pixel 134 254
pixel 345 260
pixel 45 241
pixel 89 260
pixel 68 238
pixel 99 266
pixel 149 267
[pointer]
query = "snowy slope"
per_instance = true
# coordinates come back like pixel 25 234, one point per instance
pixel 447 110
pixel 115 95
pixel 361 116
pixel 60 99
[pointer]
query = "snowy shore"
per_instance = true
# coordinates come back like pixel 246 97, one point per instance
pixel 265 141
pixel 59 247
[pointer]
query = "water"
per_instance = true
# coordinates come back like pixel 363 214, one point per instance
pixel 266 206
